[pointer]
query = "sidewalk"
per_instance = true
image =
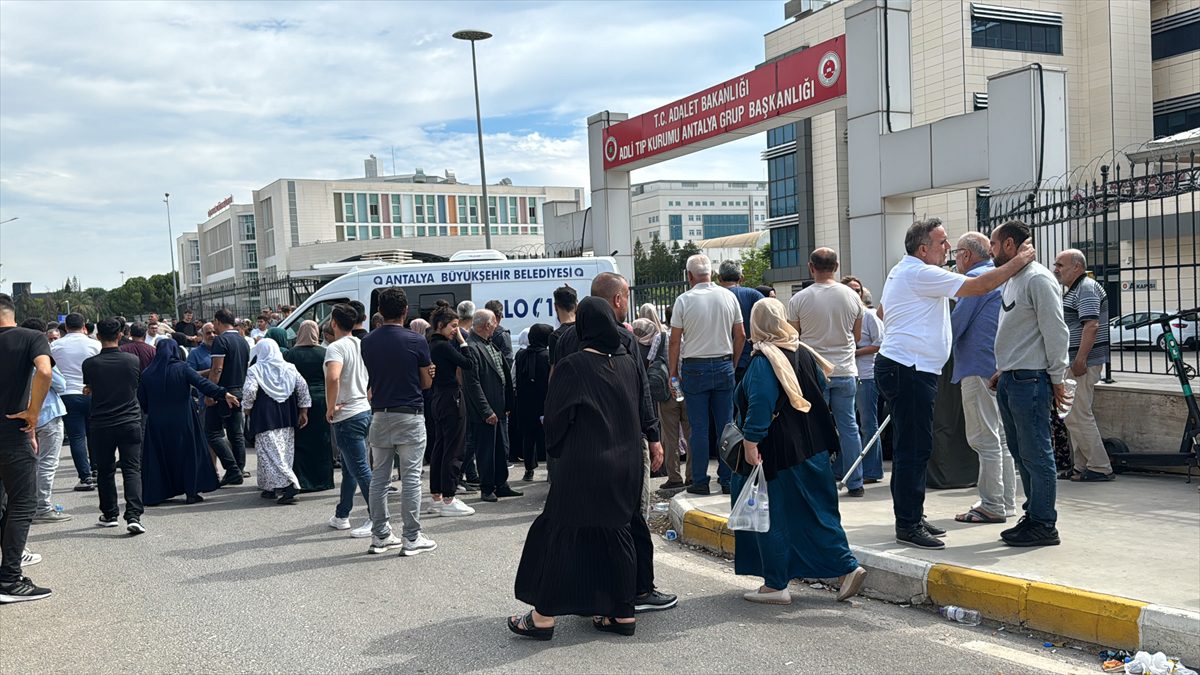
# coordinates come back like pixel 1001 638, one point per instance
pixel 1126 575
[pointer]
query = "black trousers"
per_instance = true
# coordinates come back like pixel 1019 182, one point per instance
pixel 643 547
pixel 104 443
pixel 449 419
pixel 223 427
pixel 491 452
pixel 533 440
pixel 18 501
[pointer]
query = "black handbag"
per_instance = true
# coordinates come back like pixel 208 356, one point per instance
pixel 731 445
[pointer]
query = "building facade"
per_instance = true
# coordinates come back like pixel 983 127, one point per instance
pixel 677 210
pixel 1133 73
pixel 290 225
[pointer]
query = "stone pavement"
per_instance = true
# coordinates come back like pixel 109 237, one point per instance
pixel 1127 573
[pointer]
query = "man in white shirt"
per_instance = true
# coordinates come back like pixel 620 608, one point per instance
pixel 260 328
pixel 707 337
pixel 916 344
pixel 69 352
pixel 829 317
pixel 348 411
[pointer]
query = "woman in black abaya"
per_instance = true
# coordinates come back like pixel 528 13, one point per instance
pixel 579 555
pixel 175 459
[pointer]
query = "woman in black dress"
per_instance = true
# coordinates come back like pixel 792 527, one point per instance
pixel 532 376
pixel 175 458
pixel 581 560
pixel 448 414
pixel 313 463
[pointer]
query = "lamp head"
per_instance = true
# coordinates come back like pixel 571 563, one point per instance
pixel 471 35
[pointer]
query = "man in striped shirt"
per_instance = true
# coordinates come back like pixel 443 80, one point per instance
pixel 1085 309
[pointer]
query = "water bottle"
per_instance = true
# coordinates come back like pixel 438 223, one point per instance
pixel 676 389
pixel 670 535
pixel 1069 386
pixel 969 617
pixel 662 507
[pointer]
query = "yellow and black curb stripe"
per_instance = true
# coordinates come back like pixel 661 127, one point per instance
pixel 1103 619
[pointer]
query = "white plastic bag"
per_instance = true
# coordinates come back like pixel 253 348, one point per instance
pixel 751 512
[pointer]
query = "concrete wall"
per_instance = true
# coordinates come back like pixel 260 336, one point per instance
pixel 1148 417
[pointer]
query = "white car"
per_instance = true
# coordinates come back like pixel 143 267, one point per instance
pixel 1123 334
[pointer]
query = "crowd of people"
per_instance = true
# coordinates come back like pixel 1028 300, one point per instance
pixel 608 398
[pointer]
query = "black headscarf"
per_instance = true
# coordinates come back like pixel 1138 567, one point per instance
pixel 539 336
pixel 597 327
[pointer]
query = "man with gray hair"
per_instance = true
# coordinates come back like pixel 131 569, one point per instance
pixel 973 323
pixel 916 344
pixel 729 276
pixel 707 337
pixel 488 390
pixel 1085 309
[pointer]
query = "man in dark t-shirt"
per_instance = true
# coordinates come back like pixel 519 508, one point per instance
pixel 137 345
pixel 222 424
pixel 397 363
pixel 188 327
pixel 24 380
pixel 115 424
pixel 565 302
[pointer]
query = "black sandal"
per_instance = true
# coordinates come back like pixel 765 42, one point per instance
pixel 608 624
pixel 525 627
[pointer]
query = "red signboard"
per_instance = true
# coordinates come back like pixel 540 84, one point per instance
pixel 220 205
pixel 815 75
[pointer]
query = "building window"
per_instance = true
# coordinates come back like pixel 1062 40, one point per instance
pixel 1176 114
pixel 374 207
pixel 533 210
pixel 1174 35
pixel 1021 30
pixel 784 250
pixel 503 210
pixel 675 226
pixel 474 210
pixel 249 256
pixel 725 224
pixel 246 225
pixel 687 184
pixel 781 135
pixel 492 216
pixel 513 216
pixel 419 209
pixel 396 209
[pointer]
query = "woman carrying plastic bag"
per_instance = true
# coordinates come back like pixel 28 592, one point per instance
pixel 788 432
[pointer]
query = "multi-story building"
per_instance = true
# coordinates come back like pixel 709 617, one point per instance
pixel 188 256
pixel 292 224
pixel 679 210
pixel 1133 74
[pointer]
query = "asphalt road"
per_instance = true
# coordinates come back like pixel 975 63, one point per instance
pixel 239 584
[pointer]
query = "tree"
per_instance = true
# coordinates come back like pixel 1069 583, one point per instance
pixel 682 253
pixel 755 263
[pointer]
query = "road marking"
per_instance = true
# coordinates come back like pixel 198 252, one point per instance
pixel 1023 658
pixel 711 570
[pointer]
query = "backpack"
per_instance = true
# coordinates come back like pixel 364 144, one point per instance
pixel 658 375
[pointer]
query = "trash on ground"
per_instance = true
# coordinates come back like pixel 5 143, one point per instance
pixel 670 535
pixel 969 617
pixel 819 587
pixel 1144 663
pixel 662 507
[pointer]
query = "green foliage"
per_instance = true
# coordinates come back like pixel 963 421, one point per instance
pixel 659 264
pixel 138 296
pixel 755 262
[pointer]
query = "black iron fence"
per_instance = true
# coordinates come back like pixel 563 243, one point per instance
pixel 1137 224
pixel 249 297
pixel 661 295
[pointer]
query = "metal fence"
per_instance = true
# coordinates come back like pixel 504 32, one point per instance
pixel 1136 222
pixel 661 295
pixel 248 298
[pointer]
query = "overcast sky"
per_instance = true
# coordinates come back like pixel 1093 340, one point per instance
pixel 106 106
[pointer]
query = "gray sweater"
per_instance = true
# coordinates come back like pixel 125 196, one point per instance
pixel 1032 334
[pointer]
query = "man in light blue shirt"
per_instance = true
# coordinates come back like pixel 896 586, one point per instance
pixel 973 323
pixel 49 434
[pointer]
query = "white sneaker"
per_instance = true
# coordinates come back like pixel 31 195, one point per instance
pixel 339 523
pixel 456 508
pixel 29 558
pixel 385 545
pixel 362 531
pixel 418 546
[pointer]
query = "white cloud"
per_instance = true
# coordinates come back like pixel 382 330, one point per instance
pixel 106 106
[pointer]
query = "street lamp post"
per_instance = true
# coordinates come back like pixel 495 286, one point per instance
pixel 171 243
pixel 473 36
pixel 1 255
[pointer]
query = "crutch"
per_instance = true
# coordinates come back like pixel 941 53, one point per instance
pixel 874 439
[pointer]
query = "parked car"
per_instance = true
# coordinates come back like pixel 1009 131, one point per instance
pixel 1123 333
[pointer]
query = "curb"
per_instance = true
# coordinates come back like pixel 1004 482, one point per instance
pixel 1107 620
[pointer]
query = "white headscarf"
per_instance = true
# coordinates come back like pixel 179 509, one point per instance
pixel 523 339
pixel 276 377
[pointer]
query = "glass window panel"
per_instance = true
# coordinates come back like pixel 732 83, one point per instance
pixel 360 199
pixel 376 232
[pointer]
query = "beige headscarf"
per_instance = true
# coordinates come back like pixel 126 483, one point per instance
pixel 649 312
pixel 770 332
pixel 309 334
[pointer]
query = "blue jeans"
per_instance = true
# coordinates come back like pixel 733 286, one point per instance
pixel 1024 399
pixel 351 438
pixel 839 394
pixel 867 400
pixel 79 407
pixel 708 392
pixel 911 393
